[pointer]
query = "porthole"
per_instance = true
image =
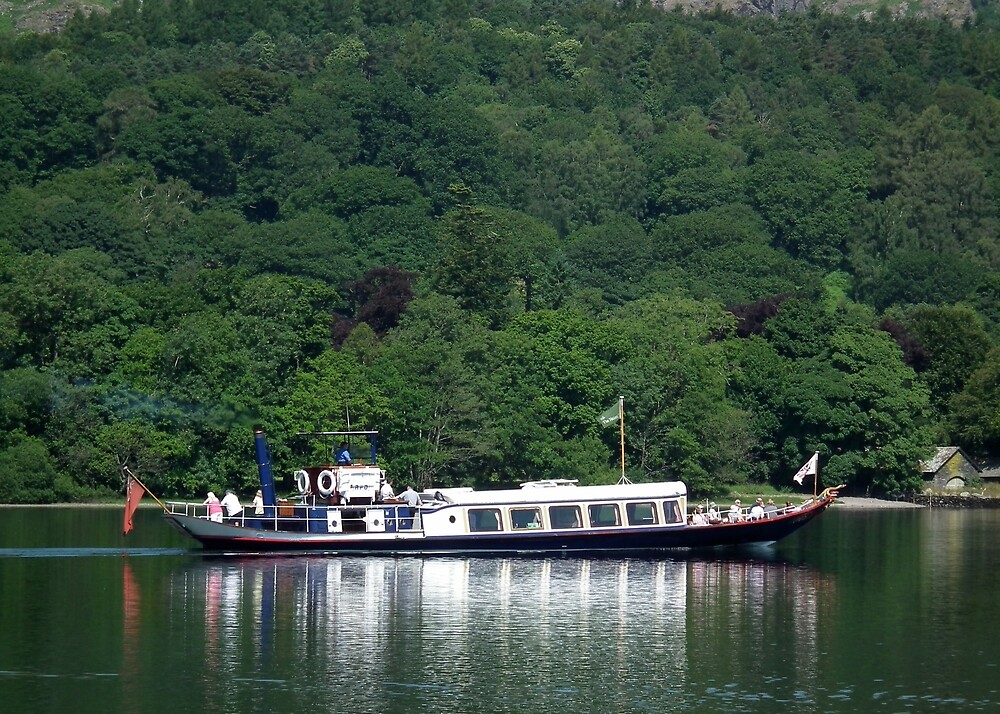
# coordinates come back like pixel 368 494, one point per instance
pixel 451 519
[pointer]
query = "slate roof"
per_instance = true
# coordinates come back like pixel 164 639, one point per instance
pixel 933 464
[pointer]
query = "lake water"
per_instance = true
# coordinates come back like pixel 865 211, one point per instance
pixel 863 611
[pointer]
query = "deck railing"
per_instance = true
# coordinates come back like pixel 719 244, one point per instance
pixel 353 519
pixel 743 514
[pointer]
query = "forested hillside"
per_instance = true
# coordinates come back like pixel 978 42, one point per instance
pixel 472 224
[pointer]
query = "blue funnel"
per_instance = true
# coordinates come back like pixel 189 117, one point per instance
pixel 264 467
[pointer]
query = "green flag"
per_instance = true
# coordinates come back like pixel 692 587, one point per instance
pixel 610 415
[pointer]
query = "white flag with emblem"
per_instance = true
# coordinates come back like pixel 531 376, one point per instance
pixel 809 468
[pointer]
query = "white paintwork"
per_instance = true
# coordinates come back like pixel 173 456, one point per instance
pixel 452 518
pixel 567 493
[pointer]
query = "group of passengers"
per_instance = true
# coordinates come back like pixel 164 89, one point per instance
pixel 409 517
pixel 230 506
pixel 736 513
pixel 700 518
pixel 409 496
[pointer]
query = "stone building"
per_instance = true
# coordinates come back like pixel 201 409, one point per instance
pixel 949 468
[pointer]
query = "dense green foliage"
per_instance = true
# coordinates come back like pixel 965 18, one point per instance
pixel 472 224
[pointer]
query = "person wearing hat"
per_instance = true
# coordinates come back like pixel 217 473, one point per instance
pixel 736 512
pixel 258 503
pixel 757 510
pixel 713 513
pixel 699 516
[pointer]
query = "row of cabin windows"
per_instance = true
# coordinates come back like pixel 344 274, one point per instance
pixel 600 515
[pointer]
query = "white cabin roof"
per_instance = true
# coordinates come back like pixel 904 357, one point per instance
pixel 566 492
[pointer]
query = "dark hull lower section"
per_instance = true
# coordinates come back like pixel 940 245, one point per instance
pixel 234 538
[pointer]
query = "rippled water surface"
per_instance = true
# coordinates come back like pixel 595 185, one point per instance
pixel 862 611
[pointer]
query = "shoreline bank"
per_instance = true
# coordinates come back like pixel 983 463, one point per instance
pixel 858 503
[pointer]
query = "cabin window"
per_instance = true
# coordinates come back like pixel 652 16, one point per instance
pixel 604 514
pixel 672 512
pixel 565 517
pixel 642 513
pixel 522 518
pixel 484 519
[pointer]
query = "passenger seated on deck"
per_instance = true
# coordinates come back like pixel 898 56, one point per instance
pixel 343 455
pixel 713 513
pixel 757 510
pixel 698 519
pixel 735 514
pixel 770 510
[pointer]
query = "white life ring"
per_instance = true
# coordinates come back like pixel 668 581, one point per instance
pixel 325 483
pixel 302 480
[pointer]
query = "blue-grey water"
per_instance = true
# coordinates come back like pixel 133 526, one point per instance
pixel 881 611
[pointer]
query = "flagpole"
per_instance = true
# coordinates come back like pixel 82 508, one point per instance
pixel 131 475
pixel 621 429
pixel 816 477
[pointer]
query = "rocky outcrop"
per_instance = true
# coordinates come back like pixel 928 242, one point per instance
pixel 40 16
pixel 953 10
pixel 746 8
pixel 963 500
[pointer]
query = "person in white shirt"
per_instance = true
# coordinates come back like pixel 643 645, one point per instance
pixel 698 519
pixel 386 493
pixel 735 515
pixel 713 514
pixel 232 504
pixel 757 510
pixel 412 499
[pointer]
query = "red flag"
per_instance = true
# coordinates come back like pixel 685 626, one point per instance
pixel 133 494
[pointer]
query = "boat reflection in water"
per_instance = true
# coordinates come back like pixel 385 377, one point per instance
pixel 752 619
pixel 438 631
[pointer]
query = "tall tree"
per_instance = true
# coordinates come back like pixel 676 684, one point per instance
pixel 975 411
pixel 475 263
pixel 681 423
pixel 956 344
pixel 440 431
